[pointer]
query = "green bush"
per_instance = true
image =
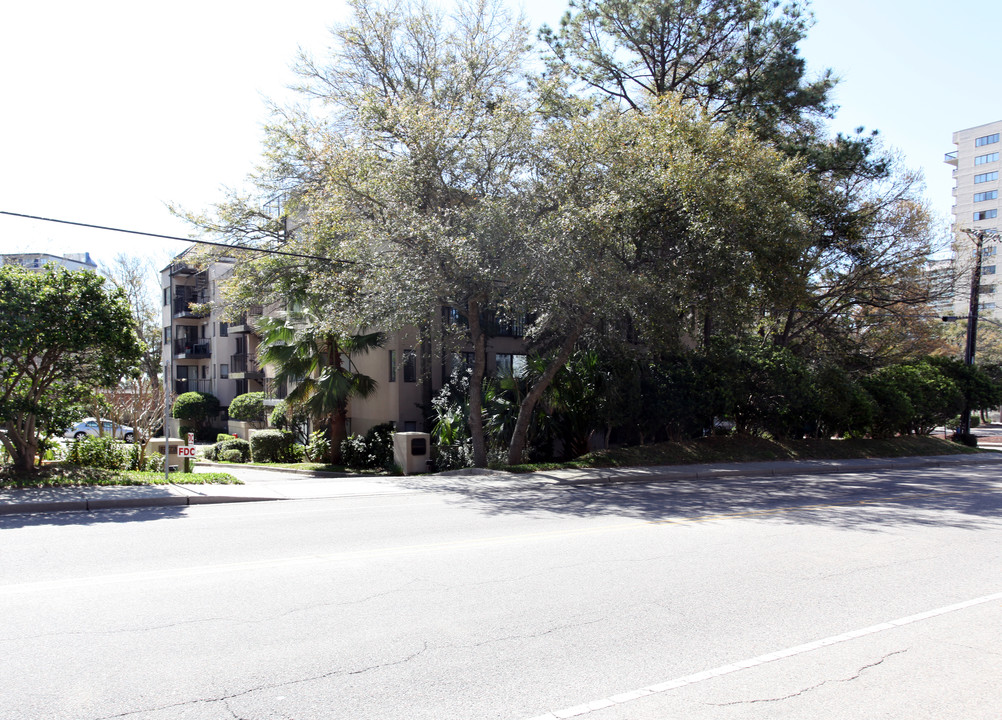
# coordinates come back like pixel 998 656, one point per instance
pixel 271 446
pixel 248 407
pixel 319 447
pixel 286 417
pixel 216 452
pixel 232 455
pixel 198 409
pixel 223 437
pixel 99 452
pixel 372 451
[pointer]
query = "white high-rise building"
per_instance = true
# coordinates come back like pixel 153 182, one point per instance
pixel 977 164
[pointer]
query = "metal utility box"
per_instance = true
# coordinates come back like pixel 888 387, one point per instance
pixel 412 451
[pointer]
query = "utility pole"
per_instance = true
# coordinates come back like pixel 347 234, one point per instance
pixel 964 431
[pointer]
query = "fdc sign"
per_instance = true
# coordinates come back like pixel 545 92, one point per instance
pixel 186 451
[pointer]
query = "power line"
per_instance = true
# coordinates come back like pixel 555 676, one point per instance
pixel 175 237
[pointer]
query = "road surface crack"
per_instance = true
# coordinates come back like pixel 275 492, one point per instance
pixel 267 686
pixel 812 687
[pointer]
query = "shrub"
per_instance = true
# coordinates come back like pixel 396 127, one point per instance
pixel 286 417
pixel 248 407
pixel 319 447
pixel 232 455
pixel 196 407
pixel 99 452
pixel 216 452
pixel 372 451
pixel 223 437
pixel 271 446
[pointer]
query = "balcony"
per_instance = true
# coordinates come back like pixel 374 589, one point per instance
pixel 243 366
pixel 183 385
pixel 246 322
pixel 273 392
pixel 185 349
pixel 951 158
pixel 183 302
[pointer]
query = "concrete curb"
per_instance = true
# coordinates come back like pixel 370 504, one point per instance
pixel 86 505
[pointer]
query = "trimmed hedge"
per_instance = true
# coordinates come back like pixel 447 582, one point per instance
pixel 272 446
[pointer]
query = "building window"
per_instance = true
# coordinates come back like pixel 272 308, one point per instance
pixel 224 329
pixel 224 370
pixel 166 336
pixel 166 296
pixel 410 425
pixel 986 289
pixel 988 270
pixel 986 177
pixel 393 365
pixel 509 364
pixel 987 306
pixel 989 195
pixel 986 140
pixel 982 159
pixel 986 214
pixel 410 366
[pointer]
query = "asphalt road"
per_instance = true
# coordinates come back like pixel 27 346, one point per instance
pixel 843 596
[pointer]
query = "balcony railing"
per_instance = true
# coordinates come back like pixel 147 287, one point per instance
pixel 183 385
pixel 243 366
pixel 273 392
pixel 185 349
pixel 182 305
pixel 246 322
pixel 951 158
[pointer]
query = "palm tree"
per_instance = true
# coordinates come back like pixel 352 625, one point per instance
pixel 319 360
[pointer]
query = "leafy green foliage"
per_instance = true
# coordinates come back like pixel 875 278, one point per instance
pixel 248 407
pixel 62 335
pixel 227 444
pixel 295 419
pixel 371 451
pixel 109 454
pixel 271 446
pixel 197 408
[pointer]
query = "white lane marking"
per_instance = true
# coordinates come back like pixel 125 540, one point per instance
pixel 585 708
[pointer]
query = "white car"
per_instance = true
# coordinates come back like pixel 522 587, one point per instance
pixel 88 426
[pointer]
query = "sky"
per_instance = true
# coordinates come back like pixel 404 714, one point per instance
pixel 112 110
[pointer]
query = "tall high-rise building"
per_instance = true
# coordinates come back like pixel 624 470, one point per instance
pixel 976 164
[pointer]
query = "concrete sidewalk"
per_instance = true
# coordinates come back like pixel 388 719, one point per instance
pixel 262 484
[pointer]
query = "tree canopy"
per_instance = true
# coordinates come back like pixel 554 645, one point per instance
pixel 63 335
pixel 667 184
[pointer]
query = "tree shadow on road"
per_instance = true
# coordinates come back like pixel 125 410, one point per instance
pixel 963 497
pixel 68 518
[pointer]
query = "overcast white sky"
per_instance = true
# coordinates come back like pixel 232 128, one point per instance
pixel 112 109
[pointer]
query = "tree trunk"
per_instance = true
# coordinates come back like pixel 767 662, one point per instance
pixel 338 433
pixel 477 383
pixel 528 404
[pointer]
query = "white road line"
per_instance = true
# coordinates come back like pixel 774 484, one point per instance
pixel 585 708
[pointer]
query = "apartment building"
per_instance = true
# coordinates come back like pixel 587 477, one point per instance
pixel 207 354
pixel 976 165
pixel 38 261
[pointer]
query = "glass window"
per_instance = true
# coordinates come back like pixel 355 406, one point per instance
pixel 224 370
pixel 224 329
pixel 989 195
pixel 393 365
pixel 982 159
pixel 503 363
pixel 988 270
pixel 987 306
pixel 986 140
pixel 986 177
pixel 986 214
pixel 986 289
pixel 410 366
pixel 410 425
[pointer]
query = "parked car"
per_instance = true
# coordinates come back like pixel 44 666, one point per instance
pixel 88 426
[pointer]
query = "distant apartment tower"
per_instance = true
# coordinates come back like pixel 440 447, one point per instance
pixel 976 165
pixel 38 261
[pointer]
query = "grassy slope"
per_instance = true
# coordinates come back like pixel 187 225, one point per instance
pixel 743 449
